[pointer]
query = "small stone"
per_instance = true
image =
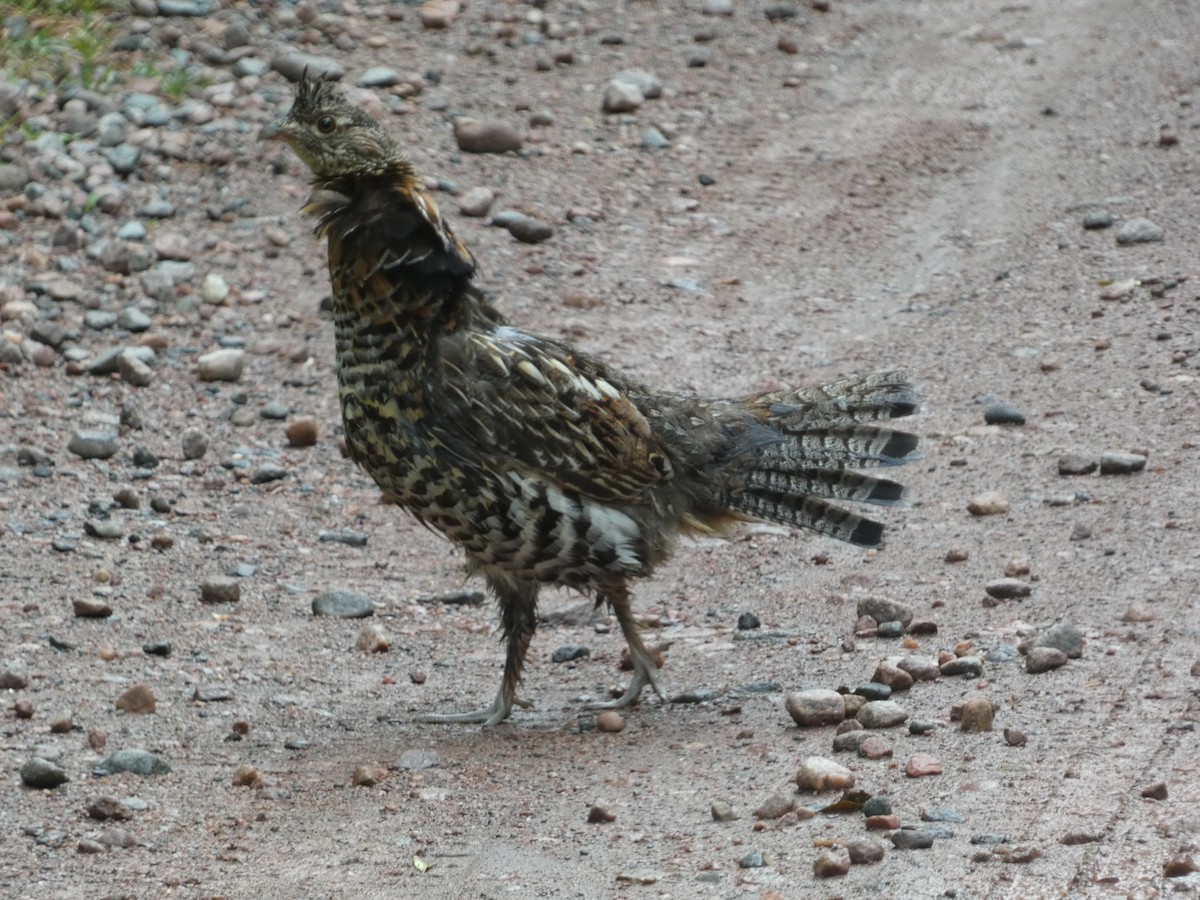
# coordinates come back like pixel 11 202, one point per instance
pixel 133 370
pixel 23 709
pixel 610 722
pixel 476 202
pixel 816 707
pixel 990 503
pixel 529 230
pixel 302 431
pixel 965 666
pixel 1180 865
pixel 292 65
pixel 748 622
pixel 887 822
pixel 1080 532
pixel 831 863
pixel 157 648
pixel 1121 463
pixel 895 678
pixel 1075 838
pixel 486 136
pixel 91 608
pixel 723 812
pixel 921 668
pixel 12 680
pixel 1098 219
pixel 819 774
pixel 864 851
pixel 137 700
pixel 957 555
pixel 598 815
pixel 874 747
pixel 977 714
pixel 194 444
pixel 1043 659
pixel 366 776
pixel 883 610
pixel 1065 637
pixel 1139 231
pixel 139 762
pixel 343 605
pixel 246 775
pixel 921 764
pixel 879 805
pixel 1014 737
pixel 1138 612
pixel 882 714
pixel 777 12
pixel 892 629
pixel 755 860
pixel 621 96
pixel 1156 791
pixel 96 739
pixel 774 807
pixel 43 774
pixel 220 590
pixel 1003 414
pixel 214 289
pixel 570 653
pixel 437 15
pixel 1007 588
pixel 378 76
pixel 221 365
pixel 102 809
pixel 850 741
pixel 653 139
pixel 88 444
pixel 61 723
pixel 268 472
pixel 372 639
pixel 912 839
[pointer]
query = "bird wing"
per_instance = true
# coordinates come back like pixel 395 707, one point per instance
pixel 543 408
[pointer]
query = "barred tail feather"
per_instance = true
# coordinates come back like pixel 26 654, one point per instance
pixel 830 484
pixel 814 514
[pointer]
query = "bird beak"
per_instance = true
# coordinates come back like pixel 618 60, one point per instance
pixel 273 131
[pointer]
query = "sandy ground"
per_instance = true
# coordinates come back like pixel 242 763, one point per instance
pixel 906 190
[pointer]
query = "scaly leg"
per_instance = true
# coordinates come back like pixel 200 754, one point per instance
pixel 645 672
pixel 518 621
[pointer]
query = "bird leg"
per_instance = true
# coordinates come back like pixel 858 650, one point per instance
pixel 645 672
pixel 518 621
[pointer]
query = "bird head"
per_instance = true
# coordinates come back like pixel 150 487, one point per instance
pixel 331 135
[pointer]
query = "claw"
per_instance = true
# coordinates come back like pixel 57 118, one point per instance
pixel 500 710
pixel 644 673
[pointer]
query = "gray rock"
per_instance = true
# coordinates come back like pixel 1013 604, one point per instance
pixel 883 610
pixel 123 158
pixel 221 365
pixel 1098 219
pixel 136 761
pixel 132 230
pixel 220 590
pixel 873 691
pixel 570 653
pixel 648 84
pixel 267 473
pixel 723 812
pixel 1139 231
pixel 93 444
pixel 653 139
pixel 1043 659
pixel 1008 588
pixel 486 136
pixel 912 839
pixel 921 668
pixel 1003 414
pixel 1065 637
pixel 1121 463
pixel 621 96
pixel 816 707
pixel 133 319
pixel 942 814
pixel 292 64
pixel 879 805
pixel 190 8
pixel 41 773
pixel 249 65
pixel 13 178
pixel 194 444
pixel 529 230
pixel 111 129
pixel 343 605
pixel 1076 464
pixel 99 319
pixel 831 863
pixel 881 714
pixel 158 283
pixel 236 35
pixel 378 76
pixel 476 202
pixel 133 370
pixel 966 666
pixel 864 851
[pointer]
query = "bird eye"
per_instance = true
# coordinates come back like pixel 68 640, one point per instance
pixel 325 124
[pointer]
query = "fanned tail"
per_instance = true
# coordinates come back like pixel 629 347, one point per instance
pixel 820 435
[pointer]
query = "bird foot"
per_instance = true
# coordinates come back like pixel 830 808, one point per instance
pixel 500 710
pixel 644 673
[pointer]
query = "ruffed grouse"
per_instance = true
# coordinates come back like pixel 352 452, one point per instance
pixel 542 463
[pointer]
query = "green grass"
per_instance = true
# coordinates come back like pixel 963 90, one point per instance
pixel 59 41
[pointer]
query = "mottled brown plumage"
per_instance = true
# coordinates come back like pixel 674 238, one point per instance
pixel 543 464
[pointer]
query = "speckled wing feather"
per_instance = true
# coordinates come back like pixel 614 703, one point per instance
pixel 544 408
